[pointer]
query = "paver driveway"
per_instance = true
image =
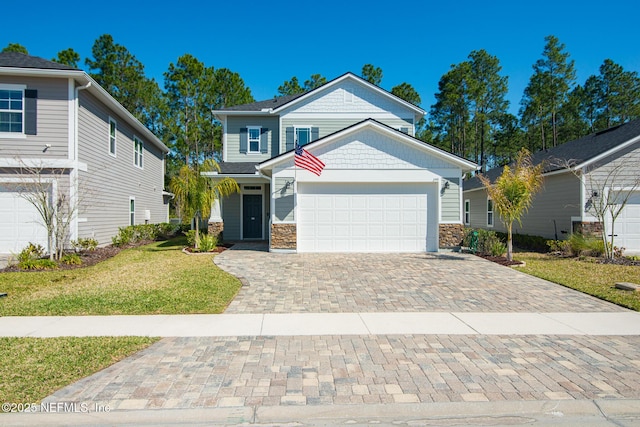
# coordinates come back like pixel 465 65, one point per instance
pixel 357 283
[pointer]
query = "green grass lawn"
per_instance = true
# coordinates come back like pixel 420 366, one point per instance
pixel 152 279
pixel 586 276
pixel 33 368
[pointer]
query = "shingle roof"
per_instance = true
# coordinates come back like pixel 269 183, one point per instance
pixel 20 60
pixel 248 168
pixel 274 103
pixel 573 152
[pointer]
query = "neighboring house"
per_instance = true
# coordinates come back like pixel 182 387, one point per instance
pixel 382 190
pixel 562 205
pixel 91 149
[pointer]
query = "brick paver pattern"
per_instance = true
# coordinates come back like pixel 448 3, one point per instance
pixel 319 370
pixel 323 370
pixel 410 282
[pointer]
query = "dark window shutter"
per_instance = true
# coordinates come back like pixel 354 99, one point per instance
pixel 244 140
pixel 404 130
pixel 290 138
pixel 315 134
pixel 264 140
pixel 31 111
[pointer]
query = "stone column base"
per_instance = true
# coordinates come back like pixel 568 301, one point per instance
pixel 588 228
pixel 284 236
pixel 216 229
pixel 451 235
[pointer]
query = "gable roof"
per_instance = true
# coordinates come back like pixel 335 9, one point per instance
pixel 464 164
pixel 577 153
pixel 276 105
pixel 20 60
pixel 19 64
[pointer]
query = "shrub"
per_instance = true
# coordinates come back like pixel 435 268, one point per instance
pixel 84 244
pixel 71 259
pixel 578 245
pixel 143 232
pixel 526 242
pixel 488 242
pixel 208 243
pixel 31 252
pixel 37 264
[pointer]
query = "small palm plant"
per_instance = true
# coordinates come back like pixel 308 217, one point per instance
pixel 513 192
pixel 195 193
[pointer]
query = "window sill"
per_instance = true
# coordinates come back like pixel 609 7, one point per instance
pixel 12 135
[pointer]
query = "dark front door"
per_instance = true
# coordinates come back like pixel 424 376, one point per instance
pixel 252 216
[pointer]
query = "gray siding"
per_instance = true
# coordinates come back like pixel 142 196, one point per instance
pixel 52 120
pixel 450 201
pixel 235 123
pixel 550 213
pixel 329 126
pixel 110 181
pixel 620 170
pixel 231 217
pixel 283 199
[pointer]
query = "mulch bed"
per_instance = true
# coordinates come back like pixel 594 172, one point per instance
pixel 499 260
pixel 90 258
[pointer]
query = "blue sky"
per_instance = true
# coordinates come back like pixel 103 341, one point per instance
pixel 269 42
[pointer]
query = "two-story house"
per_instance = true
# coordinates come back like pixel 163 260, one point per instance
pixel 381 190
pixel 57 125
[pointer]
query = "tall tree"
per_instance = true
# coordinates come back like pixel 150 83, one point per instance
pixel 186 83
pixel 406 92
pixel 372 74
pixel 119 72
pixel 487 94
pixel 617 95
pixel 15 47
pixel 553 78
pixel 292 87
pixel 68 57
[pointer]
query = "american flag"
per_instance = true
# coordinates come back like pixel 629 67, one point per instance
pixel 306 160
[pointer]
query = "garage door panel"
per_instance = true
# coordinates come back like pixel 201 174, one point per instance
pixel 20 222
pixel 627 225
pixel 366 218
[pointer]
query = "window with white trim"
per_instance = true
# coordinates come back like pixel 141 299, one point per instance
pixel 138 148
pixel 132 211
pixel 253 135
pixel 489 212
pixel 11 109
pixel 303 136
pixel 113 129
pixel 467 212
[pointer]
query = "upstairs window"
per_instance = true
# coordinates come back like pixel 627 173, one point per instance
pixel 11 110
pixel 489 213
pixel 112 136
pixel 138 147
pixel 253 134
pixel 303 136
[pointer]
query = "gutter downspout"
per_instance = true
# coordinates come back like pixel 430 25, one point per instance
pixel 74 174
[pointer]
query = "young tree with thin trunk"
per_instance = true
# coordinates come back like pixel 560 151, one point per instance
pixel 513 192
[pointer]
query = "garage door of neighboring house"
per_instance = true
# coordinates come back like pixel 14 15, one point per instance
pixel 19 222
pixel 373 217
pixel 627 226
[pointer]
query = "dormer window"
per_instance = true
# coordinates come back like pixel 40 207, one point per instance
pixel 253 133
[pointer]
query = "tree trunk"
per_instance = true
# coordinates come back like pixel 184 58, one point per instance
pixel 509 242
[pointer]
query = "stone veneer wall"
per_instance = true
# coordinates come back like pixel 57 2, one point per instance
pixel 284 236
pixel 451 235
pixel 588 228
pixel 216 229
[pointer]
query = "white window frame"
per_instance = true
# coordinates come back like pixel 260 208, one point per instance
pixel 113 139
pixel 295 133
pixel 249 139
pixel 467 212
pixel 132 213
pixel 138 151
pixel 490 213
pixel 20 88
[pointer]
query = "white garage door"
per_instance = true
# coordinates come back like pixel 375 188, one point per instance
pixel 19 222
pixel 628 225
pixel 366 218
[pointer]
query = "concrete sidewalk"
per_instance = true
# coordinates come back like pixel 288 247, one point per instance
pixel 304 324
